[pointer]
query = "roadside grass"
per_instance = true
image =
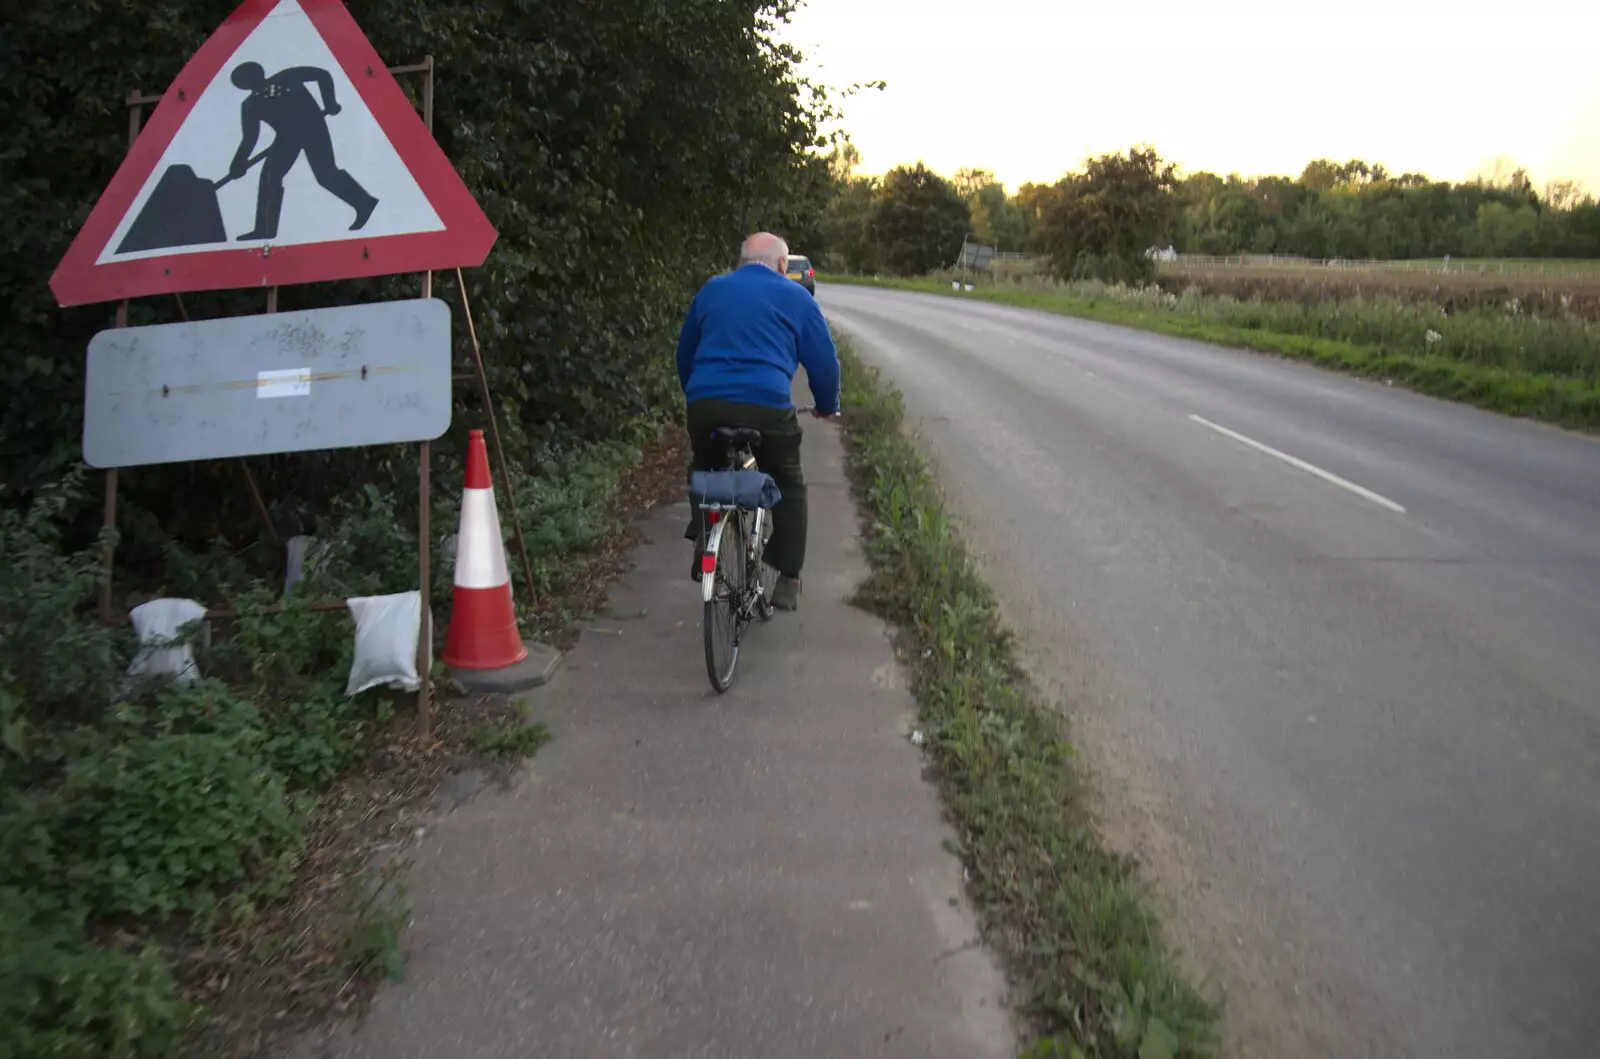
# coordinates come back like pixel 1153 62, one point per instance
pixel 1071 917
pixel 1514 363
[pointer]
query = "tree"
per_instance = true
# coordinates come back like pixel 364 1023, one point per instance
pixel 918 221
pixel 1500 230
pixel 846 226
pixel 843 160
pixel 969 181
pixel 1034 201
pixel 1105 220
pixel 997 219
pixel 1565 194
pixel 1321 175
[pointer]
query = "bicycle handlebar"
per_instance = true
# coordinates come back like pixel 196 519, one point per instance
pixel 812 410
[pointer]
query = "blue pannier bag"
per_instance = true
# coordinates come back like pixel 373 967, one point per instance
pixel 746 489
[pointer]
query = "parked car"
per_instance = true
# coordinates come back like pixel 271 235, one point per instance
pixel 801 272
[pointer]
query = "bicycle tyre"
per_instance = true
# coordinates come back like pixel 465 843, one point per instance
pixel 721 620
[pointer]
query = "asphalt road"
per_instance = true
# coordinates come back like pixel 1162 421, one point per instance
pixel 1331 650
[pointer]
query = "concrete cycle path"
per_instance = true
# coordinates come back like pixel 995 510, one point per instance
pixel 685 874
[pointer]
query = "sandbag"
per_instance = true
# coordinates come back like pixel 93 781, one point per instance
pixel 303 554
pixel 387 630
pixel 162 650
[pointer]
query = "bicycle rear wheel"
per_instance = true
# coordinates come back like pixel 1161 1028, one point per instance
pixel 722 618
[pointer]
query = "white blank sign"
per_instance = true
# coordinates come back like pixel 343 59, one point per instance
pixel 254 385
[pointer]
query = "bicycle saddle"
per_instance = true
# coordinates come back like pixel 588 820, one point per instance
pixel 737 436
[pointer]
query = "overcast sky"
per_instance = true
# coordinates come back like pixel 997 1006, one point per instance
pixel 1028 88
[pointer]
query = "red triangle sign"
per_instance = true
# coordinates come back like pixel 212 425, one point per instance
pixel 283 153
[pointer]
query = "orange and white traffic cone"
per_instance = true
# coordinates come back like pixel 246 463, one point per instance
pixel 483 622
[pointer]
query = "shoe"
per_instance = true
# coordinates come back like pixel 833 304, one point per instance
pixel 786 593
pixel 364 213
pixel 694 565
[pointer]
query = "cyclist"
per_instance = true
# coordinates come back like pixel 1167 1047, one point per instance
pixel 745 335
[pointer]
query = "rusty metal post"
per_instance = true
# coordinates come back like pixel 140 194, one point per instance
pixel 494 431
pixel 108 520
pixel 427 92
pixel 260 503
pixel 425 630
pixel 424 508
pixel 244 464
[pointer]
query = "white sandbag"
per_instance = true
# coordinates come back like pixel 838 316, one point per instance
pixel 162 651
pixel 302 552
pixel 387 629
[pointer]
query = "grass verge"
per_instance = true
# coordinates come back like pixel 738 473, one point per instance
pixel 1070 916
pixel 1569 399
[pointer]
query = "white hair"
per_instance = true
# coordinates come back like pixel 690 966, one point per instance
pixel 773 252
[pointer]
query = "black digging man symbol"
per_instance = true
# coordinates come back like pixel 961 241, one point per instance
pixel 183 209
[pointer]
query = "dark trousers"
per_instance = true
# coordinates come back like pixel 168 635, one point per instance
pixel 778 456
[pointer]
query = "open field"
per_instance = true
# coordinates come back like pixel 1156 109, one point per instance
pixel 1574 293
pixel 1556 287
pixel 1454 266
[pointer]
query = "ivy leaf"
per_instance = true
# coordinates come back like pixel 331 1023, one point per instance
pixel 1159 1041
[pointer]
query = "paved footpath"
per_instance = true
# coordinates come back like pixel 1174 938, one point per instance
pixel 760 874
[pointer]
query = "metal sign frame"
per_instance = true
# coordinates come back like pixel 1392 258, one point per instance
pixel 136 101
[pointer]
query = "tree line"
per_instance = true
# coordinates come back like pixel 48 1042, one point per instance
pixel 1100 221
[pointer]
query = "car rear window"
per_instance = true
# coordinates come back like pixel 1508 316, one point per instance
pixel 799 264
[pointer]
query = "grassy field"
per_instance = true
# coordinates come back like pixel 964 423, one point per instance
pixel 1573 294
pixel 1568 288
pixel 1554 267
pixel 1499 356
pixel 1070 917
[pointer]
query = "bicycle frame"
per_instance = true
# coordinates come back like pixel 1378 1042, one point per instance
pixel 719 523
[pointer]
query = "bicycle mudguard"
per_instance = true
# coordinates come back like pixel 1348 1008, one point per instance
pixel 750 490
pixel 713 546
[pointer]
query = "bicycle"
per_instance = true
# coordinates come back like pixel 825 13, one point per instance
pixel 736 510
pixel 736 504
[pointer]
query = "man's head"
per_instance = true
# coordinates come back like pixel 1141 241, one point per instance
pixel 248 76
pixel 764 248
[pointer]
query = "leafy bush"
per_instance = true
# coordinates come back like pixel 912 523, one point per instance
pixel 62 997
pixel 49 656
pixel 156 826
pixel 566 501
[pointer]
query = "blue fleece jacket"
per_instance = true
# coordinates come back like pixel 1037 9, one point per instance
pixel 746 334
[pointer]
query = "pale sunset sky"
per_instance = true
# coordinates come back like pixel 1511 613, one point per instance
pixel 1028 88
